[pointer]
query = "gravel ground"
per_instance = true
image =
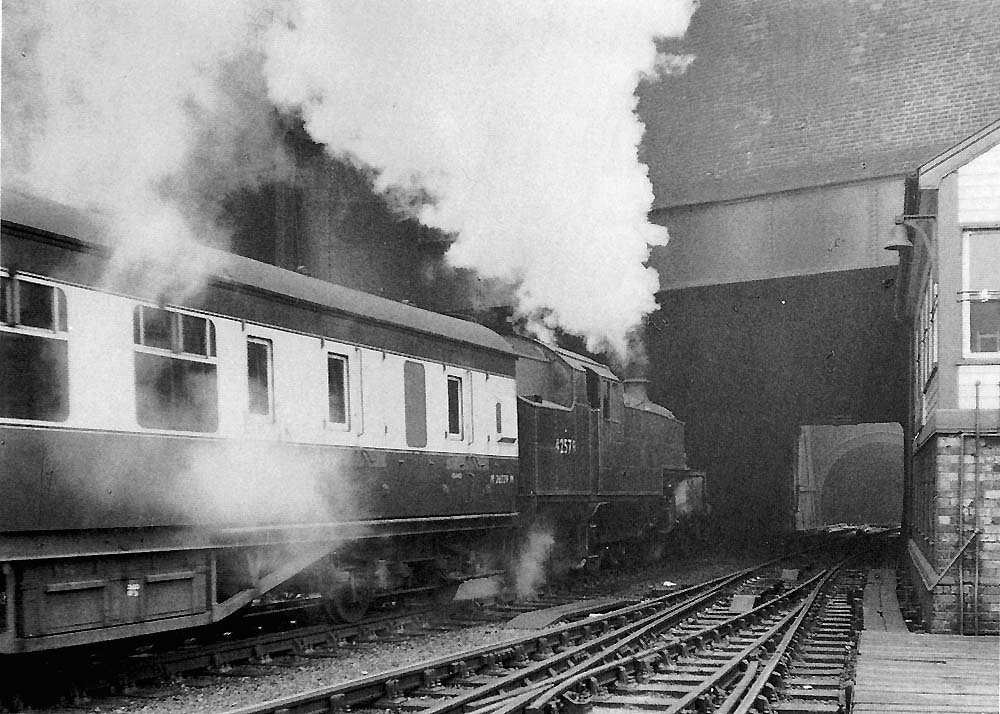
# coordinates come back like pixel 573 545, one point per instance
pixel 247 685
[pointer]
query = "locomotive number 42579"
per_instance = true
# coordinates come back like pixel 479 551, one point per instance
pixel 501 478
pixel 565 446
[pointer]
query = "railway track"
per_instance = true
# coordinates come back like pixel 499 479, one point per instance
pixel 258 640
pixel 112 669
pixel 570 663
pixel 588 633
pixel 789 654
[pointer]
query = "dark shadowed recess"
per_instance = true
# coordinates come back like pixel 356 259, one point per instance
pixel 745 364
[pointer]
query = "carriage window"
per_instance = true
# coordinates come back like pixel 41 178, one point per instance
pixel 499 418
pixel 153 325
pixel 196 336
pixel 176 390
pixel 167 330
pixel 27 304
pixel 415 403
pixel 455 406
pixel 336 375
pixel 259 376
pixel 34 380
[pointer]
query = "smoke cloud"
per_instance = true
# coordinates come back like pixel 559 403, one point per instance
pixel 145 111
pixel 518 118
pixel 510 125
pixel 249 482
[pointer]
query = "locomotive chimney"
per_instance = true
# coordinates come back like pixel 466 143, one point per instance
pixel 636 391
pixel 636 380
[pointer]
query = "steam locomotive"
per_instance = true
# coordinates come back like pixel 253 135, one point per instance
pixel 170 456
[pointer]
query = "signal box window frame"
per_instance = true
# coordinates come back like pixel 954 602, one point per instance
pixel 981 315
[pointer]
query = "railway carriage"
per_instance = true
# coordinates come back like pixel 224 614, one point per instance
pixel 165 460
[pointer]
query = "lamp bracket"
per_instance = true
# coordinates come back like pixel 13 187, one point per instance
pixel 914 217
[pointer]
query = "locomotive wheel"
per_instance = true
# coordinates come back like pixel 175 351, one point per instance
pixel 349 602
pixel 645 550
pixel 445 593
pixel 653 547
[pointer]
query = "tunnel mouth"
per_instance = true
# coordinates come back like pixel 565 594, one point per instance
pixel 849 474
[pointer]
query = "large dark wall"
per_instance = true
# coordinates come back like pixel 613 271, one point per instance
pixel 326 219
pixel 745 364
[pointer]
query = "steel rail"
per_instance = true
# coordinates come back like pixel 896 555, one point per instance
pixel 606 644
pixel 817 620
pixel 595 676
pixel 744 703
pixel 426 679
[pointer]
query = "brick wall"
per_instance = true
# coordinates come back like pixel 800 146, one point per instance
pixel 785 93
pixel 949 462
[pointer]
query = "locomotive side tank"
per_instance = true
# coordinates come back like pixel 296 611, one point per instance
pixel 168 457
pixel 598 465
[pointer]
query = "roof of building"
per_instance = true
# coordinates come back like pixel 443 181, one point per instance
pixel 785 95
pixel 957 156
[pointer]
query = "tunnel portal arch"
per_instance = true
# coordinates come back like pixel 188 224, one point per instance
pixel 827 453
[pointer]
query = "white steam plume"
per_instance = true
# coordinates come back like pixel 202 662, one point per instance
pixel 529 571
pixel 246 482
pixel 517 117
pixel 147 111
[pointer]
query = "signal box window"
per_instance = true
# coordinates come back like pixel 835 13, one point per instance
pixel 34 378
pixel 455 407
pixel 259 376
pixel 175 370
pixel 336 375
pixel 982 290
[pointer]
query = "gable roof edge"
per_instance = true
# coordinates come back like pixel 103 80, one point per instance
pixel 933 172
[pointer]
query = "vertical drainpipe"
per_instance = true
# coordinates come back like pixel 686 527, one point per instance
pixel 961 533
pixel 975 579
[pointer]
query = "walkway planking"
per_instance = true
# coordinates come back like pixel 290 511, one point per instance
pixel 900 671
pixel 936 674
pixel 881 608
